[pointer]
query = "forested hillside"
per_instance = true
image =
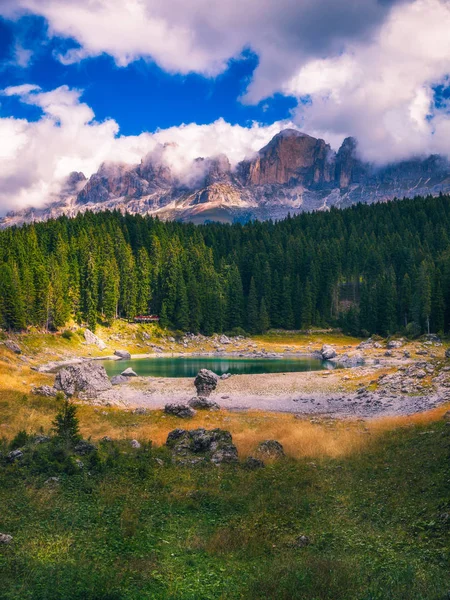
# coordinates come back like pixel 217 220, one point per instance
pixel 372 269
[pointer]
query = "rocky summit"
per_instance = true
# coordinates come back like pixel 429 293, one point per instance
pixel 293 173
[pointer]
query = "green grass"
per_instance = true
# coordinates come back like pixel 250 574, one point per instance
pixel 128 528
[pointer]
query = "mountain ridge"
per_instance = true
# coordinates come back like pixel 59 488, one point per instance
pixel 294 172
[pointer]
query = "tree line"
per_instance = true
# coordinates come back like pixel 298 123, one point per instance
pixel 380 269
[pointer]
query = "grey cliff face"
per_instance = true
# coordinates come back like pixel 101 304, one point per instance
pixel 293 173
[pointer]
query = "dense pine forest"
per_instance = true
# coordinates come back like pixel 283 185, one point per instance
pixel 380 269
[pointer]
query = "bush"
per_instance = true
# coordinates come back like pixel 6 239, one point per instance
pixel 20 440
pixel 67 334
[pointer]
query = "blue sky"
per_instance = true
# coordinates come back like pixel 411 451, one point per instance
pixel 141 96
pixel 86 82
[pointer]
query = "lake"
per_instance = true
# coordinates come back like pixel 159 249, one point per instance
pixel 189 366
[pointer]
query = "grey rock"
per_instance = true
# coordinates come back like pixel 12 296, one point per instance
pixel 447 353
pixel 135 444
pixel 328 352
pixel 201 445
pixel 124 354
pixel 183 411
pixel 205 382
pixel 45 390
pixel 41 439
pixel 106 439
pixel 140 410
pixel 93 340
pixel 394 344
pixel 5 538
pixel 202 403
pixel 225 376
pixel 253 463
pixel 13 346
pixel 351 361
pixel 14 455
pixel 83 447
pixel 52 481
pixel 270 449
pixel 128 373
pixel 118 379
pixel 224 340
pixel 87 380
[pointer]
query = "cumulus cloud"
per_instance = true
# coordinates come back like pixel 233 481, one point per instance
pixel 36 157
pixel 202 35
pixel 382 91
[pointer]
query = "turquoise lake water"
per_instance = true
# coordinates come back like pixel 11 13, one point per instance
pixel 183 366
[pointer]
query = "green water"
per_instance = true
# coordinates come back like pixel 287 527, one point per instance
pixel 183 366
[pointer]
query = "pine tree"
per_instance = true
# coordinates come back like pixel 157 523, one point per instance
pixel 253 324
pixel 66 424
pixel 264 321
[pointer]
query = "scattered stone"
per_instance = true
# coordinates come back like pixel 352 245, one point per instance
pixel 205 382
pixel 93 340
pixel 447 353
pixel 5 538
pixel 52 481
pixel 83 447
pixel 351 361
pixel 224 340
pixel 388 353
pixel 270 449
pixel 14 455
pixel 225 376
pixel 13 346
pixel 202 445
pixel 87 380
pixel 135 444
pixel 41 439
pixel 141 410
pixel 128 373
pixel 183 411
pixel 202 403
pixel 79 463
pixel 118 379
pixel 44 390
pixel 406 354
pixel 159 462
pixel 123 354
pixel 302 541
pixel 106 439
pixel 253 463
pixel 145 335
pixel 328 352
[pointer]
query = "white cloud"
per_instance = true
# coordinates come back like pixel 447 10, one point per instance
pixel 202 35
pixel 381 91
pixel 36 157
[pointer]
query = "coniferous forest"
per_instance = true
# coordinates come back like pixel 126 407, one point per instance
pixel 382 268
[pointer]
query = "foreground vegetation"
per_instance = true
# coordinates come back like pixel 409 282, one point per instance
pixel 130 525
pixel 373 269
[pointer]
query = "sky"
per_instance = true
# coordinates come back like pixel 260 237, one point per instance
pixel 93 81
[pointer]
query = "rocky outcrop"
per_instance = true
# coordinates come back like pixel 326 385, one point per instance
pixel 205 382
pixel 291 157
pixel 45 390
pixel 202 445
pixel 93 340
pixel 13 346
pixel 86 380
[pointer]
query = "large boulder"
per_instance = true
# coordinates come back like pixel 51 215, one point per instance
pixel 183 411
pixel 86 380
pixel 201 445
pixel 11 345
pixel 93 340
pixel 328 352
pixel 202 403
pixel 270 449
pixel 205 382
pixel 124 354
